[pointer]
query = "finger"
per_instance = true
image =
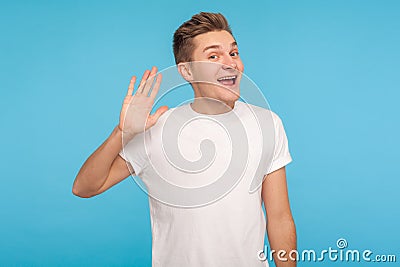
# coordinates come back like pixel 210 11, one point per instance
pixel 143 81
pixel 150 80
pixel 131 86
pixel 154 91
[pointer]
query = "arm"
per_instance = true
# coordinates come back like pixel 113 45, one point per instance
pixel 280 227
pixel 105 168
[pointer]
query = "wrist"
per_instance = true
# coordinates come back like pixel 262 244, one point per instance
pixel 125 136
pixel 117 133
pixel 118 129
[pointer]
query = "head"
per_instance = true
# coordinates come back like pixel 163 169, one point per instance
pixel 207 56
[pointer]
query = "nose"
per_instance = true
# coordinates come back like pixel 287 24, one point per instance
pixel 228 62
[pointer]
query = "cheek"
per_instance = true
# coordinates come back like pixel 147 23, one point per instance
pixel 206 73
pixel 203 73
pixel 240 66
pixel 209 71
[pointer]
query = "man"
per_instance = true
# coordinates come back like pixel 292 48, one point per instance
pixel 229 229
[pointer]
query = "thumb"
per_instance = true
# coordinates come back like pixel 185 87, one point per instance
pixel 161 110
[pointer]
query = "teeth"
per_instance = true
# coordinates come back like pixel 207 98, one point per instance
pixel 227 78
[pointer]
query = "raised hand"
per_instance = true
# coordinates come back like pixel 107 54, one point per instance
pixel 135 114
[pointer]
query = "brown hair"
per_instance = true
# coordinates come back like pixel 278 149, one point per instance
pixel 200 23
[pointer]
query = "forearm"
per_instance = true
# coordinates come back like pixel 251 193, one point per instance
pixel 95 170
pixel 282 237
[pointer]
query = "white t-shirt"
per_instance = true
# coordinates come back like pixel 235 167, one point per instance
pixel 195 220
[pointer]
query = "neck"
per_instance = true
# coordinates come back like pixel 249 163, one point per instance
pixel 210 106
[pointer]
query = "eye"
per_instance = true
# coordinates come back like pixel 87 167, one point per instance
pixel 213 57
pixel 234 54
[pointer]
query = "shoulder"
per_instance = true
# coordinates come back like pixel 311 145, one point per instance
pixel 246 108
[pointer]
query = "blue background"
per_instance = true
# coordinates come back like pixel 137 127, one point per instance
pixel 330 69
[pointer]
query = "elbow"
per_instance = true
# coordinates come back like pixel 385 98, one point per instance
pixel 280 224
pixel 80 193
pixel 281 218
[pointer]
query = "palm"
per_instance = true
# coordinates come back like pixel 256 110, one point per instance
pixel 135 114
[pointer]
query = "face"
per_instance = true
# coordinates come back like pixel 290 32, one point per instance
pixel 217 67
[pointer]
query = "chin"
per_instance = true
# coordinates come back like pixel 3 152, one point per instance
pixel 221 93
pixel 229 97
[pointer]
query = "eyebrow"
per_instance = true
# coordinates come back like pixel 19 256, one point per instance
pixel 233 44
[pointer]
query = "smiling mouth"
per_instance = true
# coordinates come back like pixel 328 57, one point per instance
pixel 227 80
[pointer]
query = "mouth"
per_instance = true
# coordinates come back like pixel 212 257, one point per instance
pixel 227 80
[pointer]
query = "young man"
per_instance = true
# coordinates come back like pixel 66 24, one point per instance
pixel 229 229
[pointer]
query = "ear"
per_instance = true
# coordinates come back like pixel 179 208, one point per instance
pixel 184 70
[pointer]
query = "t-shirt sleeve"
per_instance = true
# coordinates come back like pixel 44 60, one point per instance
pixel 281 155
pixel 134 153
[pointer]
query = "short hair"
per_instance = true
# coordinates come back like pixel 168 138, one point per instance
pixel 203 22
